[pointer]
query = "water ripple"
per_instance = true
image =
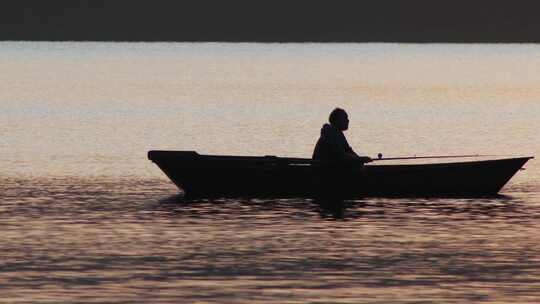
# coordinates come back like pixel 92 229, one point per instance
pixel 127 239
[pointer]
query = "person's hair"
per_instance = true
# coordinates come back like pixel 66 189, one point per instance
pixel 335 115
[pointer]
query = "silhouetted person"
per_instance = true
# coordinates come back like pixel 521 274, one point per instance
pixel 332 145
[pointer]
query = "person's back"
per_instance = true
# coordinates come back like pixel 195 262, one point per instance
pixel 332 145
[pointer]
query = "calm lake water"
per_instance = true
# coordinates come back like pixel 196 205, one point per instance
pixel 85 217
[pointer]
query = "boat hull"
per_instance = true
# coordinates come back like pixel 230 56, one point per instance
pixel 236 176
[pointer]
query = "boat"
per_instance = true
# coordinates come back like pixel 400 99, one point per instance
pixel 200 175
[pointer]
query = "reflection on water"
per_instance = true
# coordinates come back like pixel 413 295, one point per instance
pixel 104 239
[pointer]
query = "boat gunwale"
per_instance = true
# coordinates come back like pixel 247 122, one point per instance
pixel 160 155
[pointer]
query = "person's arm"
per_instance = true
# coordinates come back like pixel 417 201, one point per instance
pixel 348 152
pixel 353 156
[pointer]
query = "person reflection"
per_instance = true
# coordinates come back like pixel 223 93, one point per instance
pixel 331 208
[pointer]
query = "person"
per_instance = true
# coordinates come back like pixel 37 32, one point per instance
pixel 332 145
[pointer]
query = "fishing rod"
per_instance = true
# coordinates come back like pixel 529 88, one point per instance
pixel 292 160
pixel 380 157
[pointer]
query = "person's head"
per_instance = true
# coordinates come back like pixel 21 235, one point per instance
pixel 339 119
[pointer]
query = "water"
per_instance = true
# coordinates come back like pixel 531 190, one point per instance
pixel 86 217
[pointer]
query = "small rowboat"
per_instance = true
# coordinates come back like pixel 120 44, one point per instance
pixel 270 176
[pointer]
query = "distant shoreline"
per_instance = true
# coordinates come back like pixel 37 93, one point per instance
pixel 275 42
pixel 279 42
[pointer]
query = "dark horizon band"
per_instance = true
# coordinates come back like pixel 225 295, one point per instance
pixel 271 21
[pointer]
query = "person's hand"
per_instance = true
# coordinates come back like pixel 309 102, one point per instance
pixel 366 159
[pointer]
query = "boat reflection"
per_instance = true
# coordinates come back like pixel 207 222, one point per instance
pixel 339 209
pixel 502 206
